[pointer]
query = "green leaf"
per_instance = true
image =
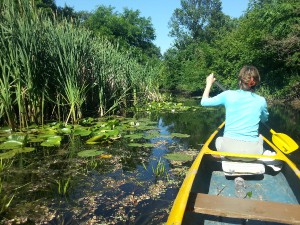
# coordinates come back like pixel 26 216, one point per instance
pixel 52 141
pixel 82 132
pixel 90 153
pixel 178 156
pixel 180 135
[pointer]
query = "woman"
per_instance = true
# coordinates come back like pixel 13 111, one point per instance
pixel 244 111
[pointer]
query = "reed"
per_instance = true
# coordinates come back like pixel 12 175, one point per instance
pixel 5 199
pixel 159 170
pixel 58 67
pixel 6 93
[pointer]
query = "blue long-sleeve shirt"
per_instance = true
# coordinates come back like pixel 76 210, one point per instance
pixel 244 110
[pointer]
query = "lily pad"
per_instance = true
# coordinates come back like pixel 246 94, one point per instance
pixel 90 153
pixel 178 157
pixel 134 136
pixel 104 156
pixel 152 135
pixel 66 130
pixel 82 132
pixel 25 149
pixel 7 155
pixel 35 139
pixel 146 145
pixel 180 135
pixel 52 141
pixel 10 145
pixel 96 139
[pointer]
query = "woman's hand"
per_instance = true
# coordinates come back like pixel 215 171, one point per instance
pixel 210 79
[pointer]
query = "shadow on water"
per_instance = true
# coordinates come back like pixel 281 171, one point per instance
pixel 134 184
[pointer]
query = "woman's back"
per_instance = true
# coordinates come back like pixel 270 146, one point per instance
pixel 244 110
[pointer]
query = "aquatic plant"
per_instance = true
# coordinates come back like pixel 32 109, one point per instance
pixel 5 199
pixel 159 169
pixel 62 186
pixel 5 164
pixel 178 156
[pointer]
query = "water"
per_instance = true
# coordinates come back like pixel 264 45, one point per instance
pixel 119 190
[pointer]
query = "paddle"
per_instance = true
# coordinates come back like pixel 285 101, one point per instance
pixel 282 141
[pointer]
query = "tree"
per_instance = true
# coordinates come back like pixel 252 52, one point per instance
pixel 197 19
pixel 128 28
pixel 267 37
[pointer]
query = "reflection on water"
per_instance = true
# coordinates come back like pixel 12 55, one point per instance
pixel 54 185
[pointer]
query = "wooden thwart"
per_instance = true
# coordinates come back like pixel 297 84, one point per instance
pixel 246 209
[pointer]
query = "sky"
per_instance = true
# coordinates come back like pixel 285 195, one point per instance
pixel 160 12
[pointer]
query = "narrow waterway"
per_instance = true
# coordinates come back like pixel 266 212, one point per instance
pixel 132 183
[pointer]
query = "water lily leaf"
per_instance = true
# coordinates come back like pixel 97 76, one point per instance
pixel 25 149
pixel 135 145
pixel 52 141
pixel 96 138
pixel 17 137
pixel 49 131
pixel 114 132
pixel 8 155
pixel 146 127
pixel 104 156
pixel 134 136
pixel 178 156
pixel 152 135
pixel 180 135
pixel 146 145
pixel 87 121
pixel 112 123
pixel 66 130
pixel 92 142
pixel 35 139
pixel 82 132
pixel 90 153
pixel 10 145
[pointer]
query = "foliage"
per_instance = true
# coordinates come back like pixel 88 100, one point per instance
pixel 177 156
pixel 185 68
pixel 128 28
pixel 53 69
pixel 266 36
pixel 198 20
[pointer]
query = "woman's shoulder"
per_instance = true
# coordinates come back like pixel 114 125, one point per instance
pixel 259 97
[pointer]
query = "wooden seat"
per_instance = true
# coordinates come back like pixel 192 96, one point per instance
pixel 245 208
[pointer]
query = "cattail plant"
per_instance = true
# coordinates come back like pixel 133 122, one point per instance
pixel 54 69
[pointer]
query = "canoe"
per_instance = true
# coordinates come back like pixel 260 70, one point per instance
pixel 208 194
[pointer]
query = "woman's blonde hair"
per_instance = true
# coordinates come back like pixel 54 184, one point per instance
pixel 248 78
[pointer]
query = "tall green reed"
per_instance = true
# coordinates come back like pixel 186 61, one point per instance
pixel 54 69
pixel 6 98
pixel 72 52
